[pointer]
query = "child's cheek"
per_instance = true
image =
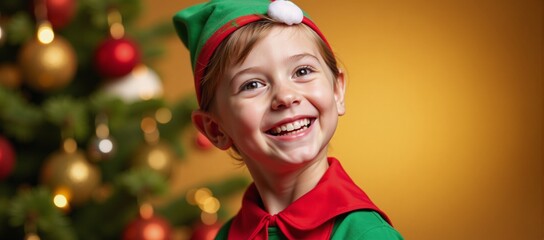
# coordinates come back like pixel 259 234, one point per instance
pixel 319 91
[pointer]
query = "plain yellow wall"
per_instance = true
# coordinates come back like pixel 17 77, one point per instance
pixel 444 123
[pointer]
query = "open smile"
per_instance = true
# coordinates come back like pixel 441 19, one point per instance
pixel 291 127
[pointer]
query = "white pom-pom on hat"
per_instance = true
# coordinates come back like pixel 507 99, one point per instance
pixel 285 11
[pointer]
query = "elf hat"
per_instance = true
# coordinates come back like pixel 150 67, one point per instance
pixel 204 26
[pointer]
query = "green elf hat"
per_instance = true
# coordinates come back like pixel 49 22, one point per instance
pixel 204 26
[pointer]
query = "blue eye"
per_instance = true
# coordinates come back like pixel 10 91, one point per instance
pixel 303 71
pixel 251 85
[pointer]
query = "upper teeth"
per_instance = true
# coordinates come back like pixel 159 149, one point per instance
pixel 291 126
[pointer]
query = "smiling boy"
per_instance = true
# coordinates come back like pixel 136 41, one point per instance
pixel 269 87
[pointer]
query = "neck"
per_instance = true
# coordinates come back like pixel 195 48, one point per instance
pixel 279 189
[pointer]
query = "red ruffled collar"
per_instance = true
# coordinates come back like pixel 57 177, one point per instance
pixel 309 217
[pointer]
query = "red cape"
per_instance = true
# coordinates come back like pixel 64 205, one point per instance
pixel 309 217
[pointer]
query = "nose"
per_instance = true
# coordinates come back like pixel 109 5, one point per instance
pixel 285 97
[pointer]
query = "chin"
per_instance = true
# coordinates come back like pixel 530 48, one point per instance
pixel 301 157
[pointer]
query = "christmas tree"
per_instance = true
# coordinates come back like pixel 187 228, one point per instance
pixel 86 140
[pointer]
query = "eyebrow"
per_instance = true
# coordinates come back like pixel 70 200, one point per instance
pixel 301 56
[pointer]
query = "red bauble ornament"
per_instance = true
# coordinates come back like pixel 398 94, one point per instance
pixel 7 158
pixel 203 142
pixel 151 228
pixel 205 232
pixel 116 57
pixel 60 12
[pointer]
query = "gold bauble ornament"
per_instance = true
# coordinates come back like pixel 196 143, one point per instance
pixel 71 171
pixel 10 76
pixel 47 67
pixel 156 156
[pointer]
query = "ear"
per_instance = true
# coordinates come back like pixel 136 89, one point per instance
pixel 208 125
pixel 339 93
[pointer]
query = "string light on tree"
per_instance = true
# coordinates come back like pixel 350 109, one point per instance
pixel 45 33
pixel 101 146
pixel 154 153
pixel 61 198
pixel 209 205
pixel 163 115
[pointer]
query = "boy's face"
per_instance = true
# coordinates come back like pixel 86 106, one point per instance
pixel 280 106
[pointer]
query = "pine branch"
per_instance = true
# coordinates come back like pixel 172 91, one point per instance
pixel 179 212
pixel 113 107
pixel 19 118
pixel 141 108
pixel 181 118
pixel 20 28
pixel 35 207
pixel 153 34
pixel 143 182
pixel 69 115
pixel 107 219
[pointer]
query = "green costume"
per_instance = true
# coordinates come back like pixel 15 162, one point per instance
pixel 355 225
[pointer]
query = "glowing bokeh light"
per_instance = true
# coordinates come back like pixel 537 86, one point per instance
pixel 45 33
pixel 60 201
pixel 105 145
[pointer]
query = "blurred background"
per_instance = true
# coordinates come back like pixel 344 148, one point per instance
pixel 443 130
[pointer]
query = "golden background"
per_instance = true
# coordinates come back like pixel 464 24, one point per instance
pixel 444 123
